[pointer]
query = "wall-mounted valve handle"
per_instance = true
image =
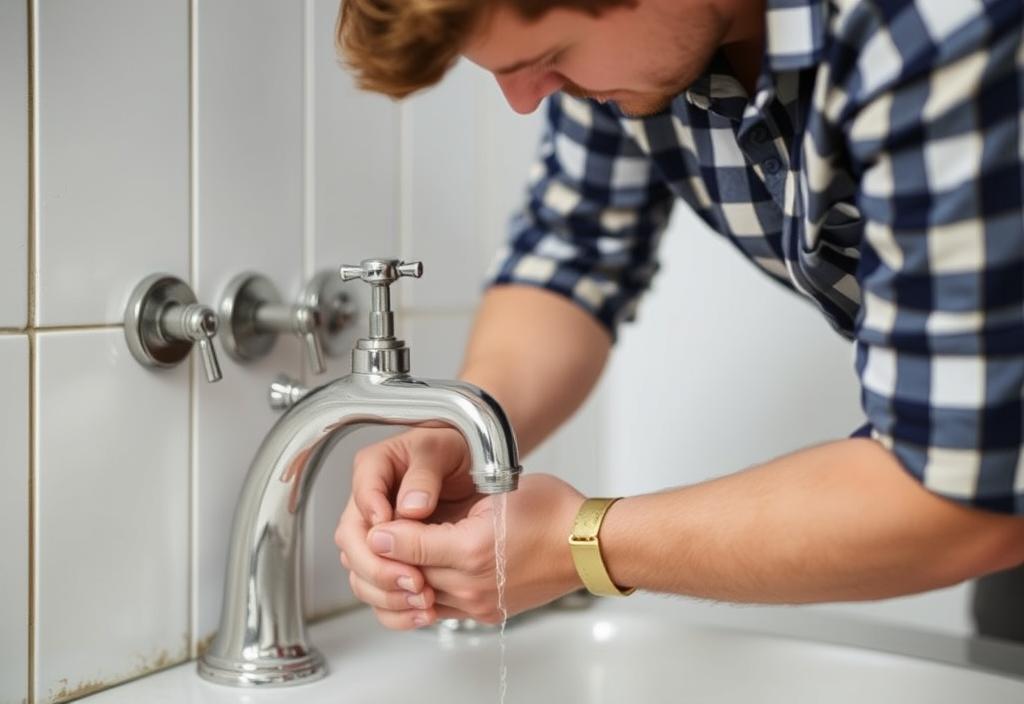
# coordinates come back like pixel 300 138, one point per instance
pixel 162 322
pixel 307 323
pixel 197 323
pixel 380 274
pixel 253 315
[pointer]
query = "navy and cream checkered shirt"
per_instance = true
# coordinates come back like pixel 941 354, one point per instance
pixel 878 170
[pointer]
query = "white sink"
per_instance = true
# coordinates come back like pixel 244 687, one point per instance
pixel 642 649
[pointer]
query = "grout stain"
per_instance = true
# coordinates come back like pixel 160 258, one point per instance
pixel 162 660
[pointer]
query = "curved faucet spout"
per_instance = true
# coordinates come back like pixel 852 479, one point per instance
pixel 261 639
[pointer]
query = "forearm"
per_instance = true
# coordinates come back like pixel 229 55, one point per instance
pixel 538 354
pixel 838 522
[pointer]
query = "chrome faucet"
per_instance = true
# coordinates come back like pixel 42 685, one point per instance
pixel 261 639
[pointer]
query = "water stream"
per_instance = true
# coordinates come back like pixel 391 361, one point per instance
pixel 500 502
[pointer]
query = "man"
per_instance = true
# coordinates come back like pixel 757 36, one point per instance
pixel 867 154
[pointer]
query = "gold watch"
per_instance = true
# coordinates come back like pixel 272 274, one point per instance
pixel 586 549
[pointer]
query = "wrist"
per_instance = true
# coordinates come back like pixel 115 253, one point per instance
pixel 617 547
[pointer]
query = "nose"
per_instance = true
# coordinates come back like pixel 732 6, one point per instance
pixel 524 91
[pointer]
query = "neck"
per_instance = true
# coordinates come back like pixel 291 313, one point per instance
pixel 743 44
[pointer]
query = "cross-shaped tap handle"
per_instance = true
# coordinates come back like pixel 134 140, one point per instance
pixel 381 271
pixel 380 274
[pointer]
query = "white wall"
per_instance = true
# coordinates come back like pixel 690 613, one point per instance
pixel 217 137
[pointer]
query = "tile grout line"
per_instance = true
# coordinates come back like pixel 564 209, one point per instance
pixel 193 194
pixel 30 17
pixel 308 143
pixel 403 189
pixel 32 495
pixel 308 226
pixel 84 327
pixel 31 9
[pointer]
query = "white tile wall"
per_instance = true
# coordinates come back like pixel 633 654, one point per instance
pixel 508 146
pixel 353 157
pixel 113 123
pixel 694 393
pixel 249 143
pixel 14 121
pixel 14 501
pixel 249 217
pixel 441 172
pixel 111 515
pixel 438 342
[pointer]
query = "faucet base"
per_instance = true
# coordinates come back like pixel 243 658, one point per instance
pixel 263 672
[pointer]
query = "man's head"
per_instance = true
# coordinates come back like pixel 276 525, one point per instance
pixel 636 53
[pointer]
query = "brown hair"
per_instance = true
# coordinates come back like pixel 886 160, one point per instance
pixel 397 47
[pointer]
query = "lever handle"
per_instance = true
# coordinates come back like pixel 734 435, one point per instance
pixel 254 314
pixel 307 324
pixel 163 322
pixel 210 363
pixel 195 323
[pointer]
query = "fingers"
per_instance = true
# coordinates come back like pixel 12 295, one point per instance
pixel 383 573
pixel 390 600
pixel 433 458
pixel 474 597
pixel 373 476
pixel 467 545
pixel 405 620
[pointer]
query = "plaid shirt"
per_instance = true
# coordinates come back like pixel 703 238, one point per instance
pixel 877 170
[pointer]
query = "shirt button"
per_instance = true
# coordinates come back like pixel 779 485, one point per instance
pixel 772 166
pixel 697 100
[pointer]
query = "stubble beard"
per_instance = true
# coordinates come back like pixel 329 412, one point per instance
pixel 690 59
pixel 642 105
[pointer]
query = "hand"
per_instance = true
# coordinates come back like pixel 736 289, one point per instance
pixel 457 559
pixel 427 470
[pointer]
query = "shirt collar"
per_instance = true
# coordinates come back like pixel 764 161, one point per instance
pixel 795 39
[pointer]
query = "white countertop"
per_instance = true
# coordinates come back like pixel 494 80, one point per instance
pixel 646 649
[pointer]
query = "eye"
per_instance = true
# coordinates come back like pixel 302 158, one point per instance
pixel 550 61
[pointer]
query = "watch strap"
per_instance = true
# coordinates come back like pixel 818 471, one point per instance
pixel 585 546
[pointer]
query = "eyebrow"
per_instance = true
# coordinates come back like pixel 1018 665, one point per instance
pixel 519 65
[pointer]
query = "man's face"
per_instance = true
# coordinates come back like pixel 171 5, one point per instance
pixel 638 57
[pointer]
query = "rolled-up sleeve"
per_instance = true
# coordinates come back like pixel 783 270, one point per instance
pixel 940 335
pixel 594 213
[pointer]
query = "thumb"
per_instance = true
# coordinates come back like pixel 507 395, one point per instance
pixel 431 544
pixel 434 459
pixel 421 486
